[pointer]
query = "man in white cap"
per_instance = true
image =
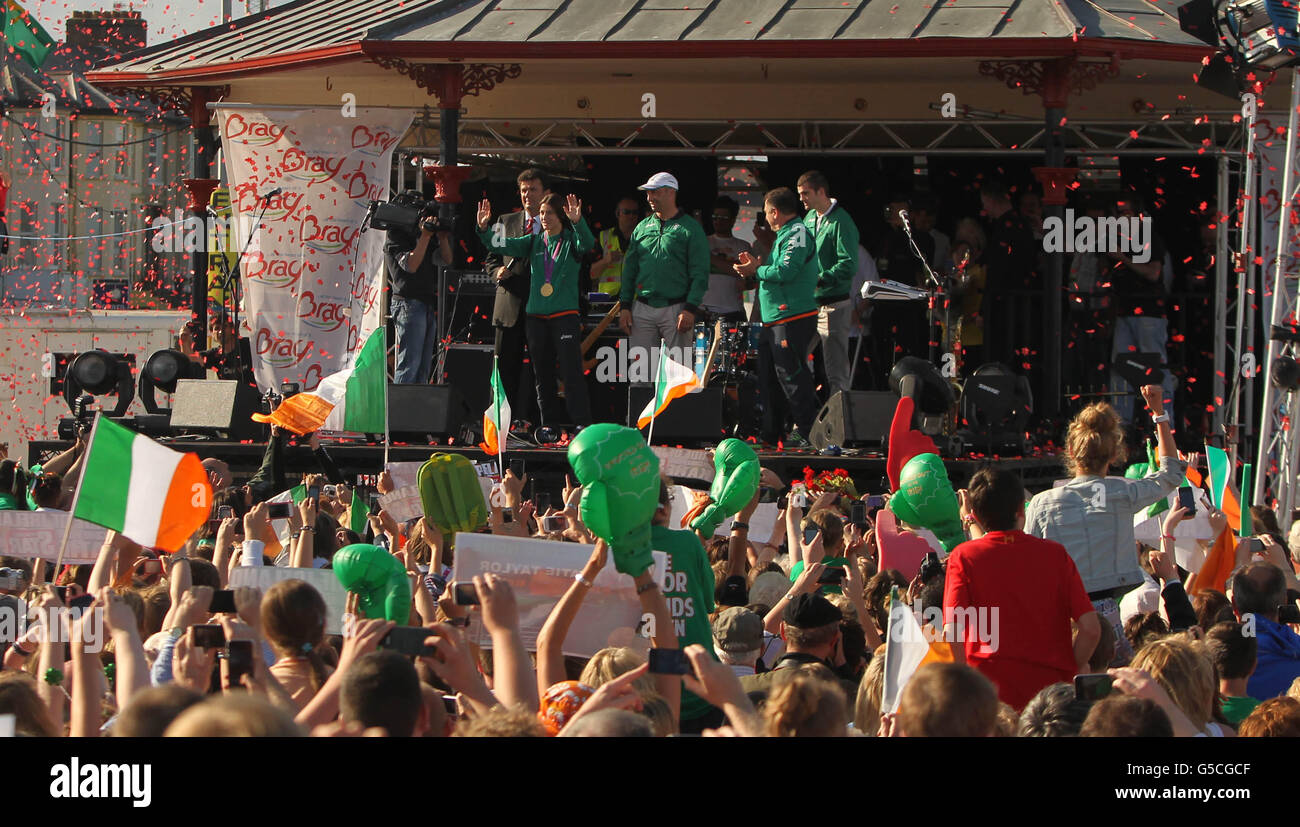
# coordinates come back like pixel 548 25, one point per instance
pixel 665 274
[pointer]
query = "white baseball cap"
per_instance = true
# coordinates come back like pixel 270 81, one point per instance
pixel 659 180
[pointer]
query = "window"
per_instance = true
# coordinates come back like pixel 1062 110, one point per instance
pixel 25 250
pixel 119 244
pixel 154 157
pixel 91 147
pixel 117 149
pixel 93 226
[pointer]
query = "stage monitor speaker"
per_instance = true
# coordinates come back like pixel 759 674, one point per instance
pixel 854 419
pixel 417 411
pixel 218 406
pixel 695 417
pixel 469 368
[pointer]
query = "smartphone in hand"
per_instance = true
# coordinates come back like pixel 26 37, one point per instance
pixel 1187 499
pixel 408 640
pixel 239 661
pixel 223 601
pixel 466 594
pixel 669 662
pixel 1092 687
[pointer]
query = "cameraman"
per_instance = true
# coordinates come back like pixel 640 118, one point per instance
pixel 413 275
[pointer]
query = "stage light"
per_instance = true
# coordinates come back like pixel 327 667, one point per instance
pixel 1286 373
pixel 162 370
pixel 921 381
pixel 99 372
pixel 1249 35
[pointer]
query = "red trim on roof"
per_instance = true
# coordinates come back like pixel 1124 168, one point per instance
pixel 930 47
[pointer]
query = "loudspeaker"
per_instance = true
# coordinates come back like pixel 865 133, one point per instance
pixel 417 411
pixel 217 405
pixel 854 419
pixel 695 417
pixel 468 367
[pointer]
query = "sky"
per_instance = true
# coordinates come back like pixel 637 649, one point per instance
pixel 167 19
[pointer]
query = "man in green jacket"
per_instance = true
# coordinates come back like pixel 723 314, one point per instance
pixel 787 285
pixel 665 275
pixel 836 237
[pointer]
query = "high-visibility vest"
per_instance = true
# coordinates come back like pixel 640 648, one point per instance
pixel 612 277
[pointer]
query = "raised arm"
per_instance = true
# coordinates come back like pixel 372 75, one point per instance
pixel 515 681
pixel 131 667
pixel 550 640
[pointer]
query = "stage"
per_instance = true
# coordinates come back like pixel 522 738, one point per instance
pixel 546 466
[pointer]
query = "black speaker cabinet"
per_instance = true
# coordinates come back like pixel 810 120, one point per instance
pixel 469 368
pixel 416 411
pixel 854 419
pixel 695 417
pixel 223 406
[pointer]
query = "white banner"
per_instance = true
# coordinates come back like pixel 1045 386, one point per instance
pixel 540 572
pixel 324 581
pixel 311 279
pixel 38 534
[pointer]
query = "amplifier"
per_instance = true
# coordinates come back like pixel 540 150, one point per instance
pixel 471 282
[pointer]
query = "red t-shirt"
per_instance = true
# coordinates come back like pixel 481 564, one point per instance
pixel 1026 644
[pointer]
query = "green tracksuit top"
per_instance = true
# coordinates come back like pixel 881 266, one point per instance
pixel 565 254
pixel 666 262
pixel 837 252
pixel 786 284
pixel 688 587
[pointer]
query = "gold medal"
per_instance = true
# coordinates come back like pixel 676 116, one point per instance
pixel 547 290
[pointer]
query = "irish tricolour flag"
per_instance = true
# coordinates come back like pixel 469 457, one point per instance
pixel 354 399
pixel 496 419
pixel 144 491
pixel 674 380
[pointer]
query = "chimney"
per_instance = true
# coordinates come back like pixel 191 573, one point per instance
pixel 116 32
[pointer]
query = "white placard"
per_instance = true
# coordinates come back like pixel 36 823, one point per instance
pixel 403 504
pixel 540 572
pixel 39 533
pixel 685 464
pixel 323 580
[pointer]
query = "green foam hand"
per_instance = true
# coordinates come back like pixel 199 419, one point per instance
pixel 451 495
pixel 619 475
pixel 925 499
pixel 1138 470
pixel 378 579
pixel 735 479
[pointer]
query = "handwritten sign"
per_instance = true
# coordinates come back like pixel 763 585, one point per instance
pixel 540 572
pixel 39 533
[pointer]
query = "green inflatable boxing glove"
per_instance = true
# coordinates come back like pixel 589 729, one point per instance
pixel 378 578
pixel 451 495
pixel 619 475
pixel 735 479
pixel 925 499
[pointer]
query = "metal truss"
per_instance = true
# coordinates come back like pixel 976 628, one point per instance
pixel 1279 446
pixel 989 135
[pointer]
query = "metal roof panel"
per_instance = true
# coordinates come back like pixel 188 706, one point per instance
pixel 736 21
pixel 805 23
pixel 656 24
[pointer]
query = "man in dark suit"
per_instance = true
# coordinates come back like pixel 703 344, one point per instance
pixel 512 275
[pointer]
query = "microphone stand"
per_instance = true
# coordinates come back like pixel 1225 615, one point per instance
pixel 231 282
pixel 931 277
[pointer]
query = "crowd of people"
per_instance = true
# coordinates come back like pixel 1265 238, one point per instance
pixel 816 333
pixel 1054 620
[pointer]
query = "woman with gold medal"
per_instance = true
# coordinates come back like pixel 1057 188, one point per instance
pixel 553 324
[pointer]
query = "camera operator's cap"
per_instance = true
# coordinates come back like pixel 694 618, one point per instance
pixel 738 630
pixel 660 180
pixel 810 611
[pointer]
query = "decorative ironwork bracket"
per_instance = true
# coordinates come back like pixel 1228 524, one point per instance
pixel 449 82
pixel 1054 79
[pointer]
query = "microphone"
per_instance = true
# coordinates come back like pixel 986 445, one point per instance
pixel 903 215
pixel 273 193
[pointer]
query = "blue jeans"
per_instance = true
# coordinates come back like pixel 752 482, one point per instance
pixel 416 332
pixel 1138 334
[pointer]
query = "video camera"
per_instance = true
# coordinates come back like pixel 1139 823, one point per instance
pixel 407 213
